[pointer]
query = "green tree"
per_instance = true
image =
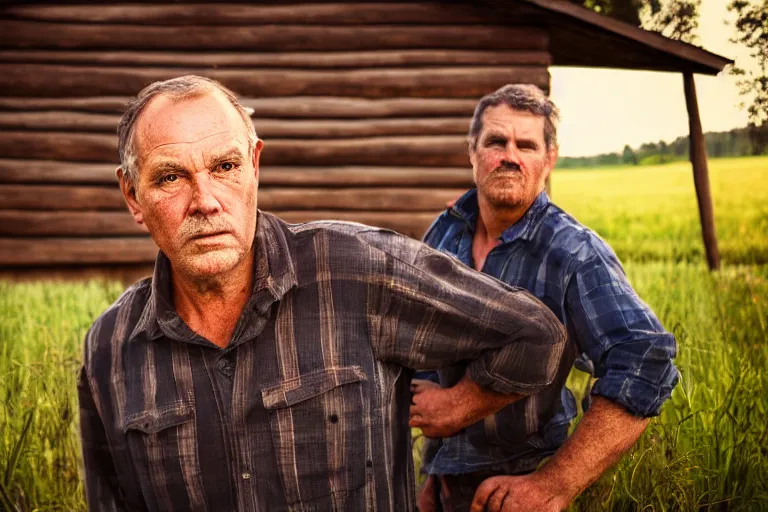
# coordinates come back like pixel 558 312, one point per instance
pixel 752 31
pixel 628 156
pixel 677 19
pixel 627 11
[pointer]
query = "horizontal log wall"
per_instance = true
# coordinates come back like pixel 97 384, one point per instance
pixel 364 109
pixel 48 80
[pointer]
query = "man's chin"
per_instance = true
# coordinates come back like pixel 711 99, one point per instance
pixel 503 199
pixel 212 263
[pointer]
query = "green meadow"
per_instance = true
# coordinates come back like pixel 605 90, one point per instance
pixel 707 451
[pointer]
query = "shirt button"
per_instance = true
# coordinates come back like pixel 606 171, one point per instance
pixel 246 476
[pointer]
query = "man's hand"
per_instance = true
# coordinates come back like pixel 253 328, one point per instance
pixel 604 434
pixel 519 494
pixel 432 409
pixel 443 412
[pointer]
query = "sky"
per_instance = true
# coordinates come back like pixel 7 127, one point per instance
pixel 633 107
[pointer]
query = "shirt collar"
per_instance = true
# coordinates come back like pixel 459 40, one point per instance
pixel 466 208
pixel 274 275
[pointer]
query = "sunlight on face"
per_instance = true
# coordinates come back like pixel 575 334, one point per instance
pixel 197 183
pixel 510 162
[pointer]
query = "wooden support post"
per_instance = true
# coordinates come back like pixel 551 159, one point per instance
pixel 698 153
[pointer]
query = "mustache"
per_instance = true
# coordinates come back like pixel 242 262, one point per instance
pixel 194 227
pixel 506 167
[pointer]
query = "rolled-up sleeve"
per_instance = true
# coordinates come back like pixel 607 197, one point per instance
pixel 428 310
pixel 631 352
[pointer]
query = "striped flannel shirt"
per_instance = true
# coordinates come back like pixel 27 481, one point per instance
pixel 610 329
pixel 307 407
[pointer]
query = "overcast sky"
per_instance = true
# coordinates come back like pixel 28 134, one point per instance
pixel 603 109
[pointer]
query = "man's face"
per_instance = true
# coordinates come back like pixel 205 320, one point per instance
pixel 510 161
pixel 197 183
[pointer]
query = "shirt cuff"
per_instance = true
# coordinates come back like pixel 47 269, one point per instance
pixel 639 396
pixel 484 378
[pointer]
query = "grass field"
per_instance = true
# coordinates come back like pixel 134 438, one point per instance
pixel 707 451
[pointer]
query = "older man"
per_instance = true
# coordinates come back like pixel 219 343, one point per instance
pixel 262 366
pixel 508 228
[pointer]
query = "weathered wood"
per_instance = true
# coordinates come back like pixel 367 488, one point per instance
pixel 55 172
pixel 698 152
pixel 54 120
pixel 107 223
pixel 68 223
pixel 251 14
pixel 70 36
pixel 362 176
pixel 297 107
pixel 456 82
pixel 418 151
pixel 25 252
pixel 413 224
pixel 78 198
pixel 580 37
pixel 47 171
pixel 99 104
pixel 366 199
pixel 306 60
pixel 58 197
pixel 127 273
pixel 73 147
pixel 58 120
pixel 426 151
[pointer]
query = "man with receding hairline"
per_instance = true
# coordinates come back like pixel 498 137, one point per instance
pixel 508 228
pixel 266 366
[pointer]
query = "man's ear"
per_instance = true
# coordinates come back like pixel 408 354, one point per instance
pixel 257 148
pixel 128 189
pixel 472 156
pixel 552 156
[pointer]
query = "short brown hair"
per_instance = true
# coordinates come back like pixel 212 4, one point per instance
pixel 180 88
pixel 524 97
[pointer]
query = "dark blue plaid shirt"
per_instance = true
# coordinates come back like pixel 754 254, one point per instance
pixel 577 275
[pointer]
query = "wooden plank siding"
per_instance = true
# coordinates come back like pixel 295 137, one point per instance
pixel 364 109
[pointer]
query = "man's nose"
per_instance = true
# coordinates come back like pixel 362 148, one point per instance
pixel 204 201
pixel 511 153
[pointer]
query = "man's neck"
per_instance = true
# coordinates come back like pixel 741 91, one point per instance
pixel 212 307
pixel 491 223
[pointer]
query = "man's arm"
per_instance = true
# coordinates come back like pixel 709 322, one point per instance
pixel 443 412
pixel 603 435
pixel 632 354
pixel 431 311
pixel 101 483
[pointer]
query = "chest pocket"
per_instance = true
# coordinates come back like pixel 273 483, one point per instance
pixel 163 446
pixel 320 425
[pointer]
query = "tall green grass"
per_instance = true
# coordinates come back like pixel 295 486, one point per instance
pixel 41 335
pixel 709 448
pixel 650 213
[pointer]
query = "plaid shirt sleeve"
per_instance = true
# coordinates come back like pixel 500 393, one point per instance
pixel 101 483
pixel 631 351
pixel 430 311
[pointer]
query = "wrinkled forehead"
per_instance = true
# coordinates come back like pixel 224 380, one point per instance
pixel 508 121
pixel 169 124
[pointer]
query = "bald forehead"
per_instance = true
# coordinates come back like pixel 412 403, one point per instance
pixel 168 120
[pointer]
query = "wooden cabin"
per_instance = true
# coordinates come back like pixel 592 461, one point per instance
pixel 364 107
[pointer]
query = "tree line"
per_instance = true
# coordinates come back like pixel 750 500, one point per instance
pixel 751 140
